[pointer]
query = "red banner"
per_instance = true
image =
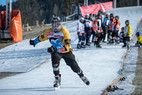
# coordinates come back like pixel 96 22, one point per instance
pixel 93 9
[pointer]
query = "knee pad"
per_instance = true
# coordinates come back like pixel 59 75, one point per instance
pixel 56 67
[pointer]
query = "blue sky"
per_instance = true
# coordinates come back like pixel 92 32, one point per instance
pixel 3 2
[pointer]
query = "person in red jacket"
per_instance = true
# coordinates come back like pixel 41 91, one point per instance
pixel 110 24
pixel 115 30
pixel 97 31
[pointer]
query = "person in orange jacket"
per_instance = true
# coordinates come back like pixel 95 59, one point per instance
pixel 115 30
pixel 97 28
pixel 110 24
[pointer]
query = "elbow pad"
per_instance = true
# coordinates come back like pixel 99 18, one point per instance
pixel 68 41
pixel 36 41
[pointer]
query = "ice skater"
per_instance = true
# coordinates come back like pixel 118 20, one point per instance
pixel 59 37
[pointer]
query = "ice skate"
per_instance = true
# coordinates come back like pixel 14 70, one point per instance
pixel 57 82
pixel 98 46
pixel 78 46
pixel 137 44
pixel 85 80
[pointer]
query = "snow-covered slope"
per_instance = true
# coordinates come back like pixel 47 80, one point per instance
pixel 101 66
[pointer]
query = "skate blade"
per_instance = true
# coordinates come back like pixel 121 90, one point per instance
pixel 87 83
pixel 57 88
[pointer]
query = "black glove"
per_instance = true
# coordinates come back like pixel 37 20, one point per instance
pixel 32 43
pixel 52 49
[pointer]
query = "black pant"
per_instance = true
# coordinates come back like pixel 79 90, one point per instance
pixel 115 34
pixel 81 38
pixel 69 59
pixel 87 31
pixel 104 33
pixel 98 38
pixel 125 40
pixel 109 35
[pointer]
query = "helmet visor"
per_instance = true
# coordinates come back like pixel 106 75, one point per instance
pixel 56 27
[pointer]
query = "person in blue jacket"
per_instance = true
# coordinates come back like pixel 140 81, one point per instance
pixel 105 26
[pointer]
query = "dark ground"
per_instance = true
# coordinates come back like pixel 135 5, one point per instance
pixel 6 74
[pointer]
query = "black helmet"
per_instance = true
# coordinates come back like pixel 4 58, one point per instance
pixel 127 21
pixel 100 11
pixel 117 17
pixel 56 19
pixel 111 15
pixel 122 28
pixel 90 15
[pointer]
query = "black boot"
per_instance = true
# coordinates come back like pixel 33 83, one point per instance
pixel 137 44
pixel 98 46
pixel 116 42
pixel 128 45
pixel 104 41
pixel 123 46
pixel 78 46
pixel 57 81
pixel 95 42
pixel 82 45
pixel 88 43
pixel 84 79
pixel 109 41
